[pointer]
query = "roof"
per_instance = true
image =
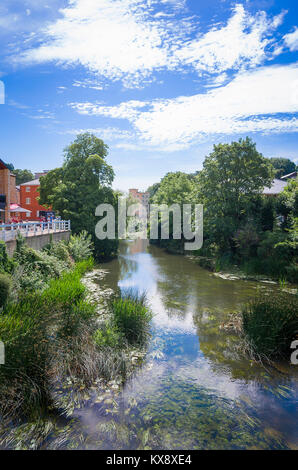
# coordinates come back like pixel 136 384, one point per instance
pixel 31 183
pixel 3 165
pixel 277 187
pixel 290 175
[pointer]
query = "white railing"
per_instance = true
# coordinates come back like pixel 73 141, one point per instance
pixel 31 229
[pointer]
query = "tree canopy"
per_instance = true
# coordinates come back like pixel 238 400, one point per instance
pixel 23 176
pixel 174 188
pixel 80 185
pixel 282 166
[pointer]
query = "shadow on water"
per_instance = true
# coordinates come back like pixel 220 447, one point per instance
pixel 195 389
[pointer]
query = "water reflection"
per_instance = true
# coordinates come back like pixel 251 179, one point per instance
pixel 196 388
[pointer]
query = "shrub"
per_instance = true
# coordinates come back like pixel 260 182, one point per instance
pixel 270 324
pixel 108 336
pixel 5 288
pixel 292 273
pixel 60 251
pixel 6 263
pixel 38 261
pixel 80 246
pixel 132 316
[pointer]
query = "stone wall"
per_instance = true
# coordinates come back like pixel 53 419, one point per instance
pixel 39 241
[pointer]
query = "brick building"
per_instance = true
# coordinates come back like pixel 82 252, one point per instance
pixel 29 192
pixel 8 192
pixel 143 198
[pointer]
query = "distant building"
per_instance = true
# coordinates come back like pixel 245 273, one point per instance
pixel 276 188
pixel 43 173
pixel 142 197
pixel 29 192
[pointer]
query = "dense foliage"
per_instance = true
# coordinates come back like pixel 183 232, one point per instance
pixel 23 176
pixel 270 324
pixel 282 166
pixel 79 186
pixel 52 332
pixel 241 226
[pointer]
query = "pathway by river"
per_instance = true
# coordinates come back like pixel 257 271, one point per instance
pixel 195 388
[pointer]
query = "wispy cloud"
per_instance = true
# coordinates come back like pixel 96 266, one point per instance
pixel 263 100
pixel 242 42
pixel 291 40
pixel 130 39
pixel 105 133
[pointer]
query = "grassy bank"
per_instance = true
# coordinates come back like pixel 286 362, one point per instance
pixel 270 325
pixel 52 332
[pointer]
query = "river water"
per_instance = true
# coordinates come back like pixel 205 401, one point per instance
pixel 195 389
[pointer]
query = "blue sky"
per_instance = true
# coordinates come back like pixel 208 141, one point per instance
pixel 159 81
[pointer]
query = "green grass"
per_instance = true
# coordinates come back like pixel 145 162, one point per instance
pixel 270 324
pixel 132 317
pixel 47 336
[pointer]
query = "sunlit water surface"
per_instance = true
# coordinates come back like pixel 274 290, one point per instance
pixel 195 388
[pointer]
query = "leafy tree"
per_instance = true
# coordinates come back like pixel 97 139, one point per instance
pixel 10 166
pixel 23 176
pixel 48 185
pixel 174 188
pixel 153 189
pixel 287 203
pixel 233 174
pixel 84 181
pixel 282 166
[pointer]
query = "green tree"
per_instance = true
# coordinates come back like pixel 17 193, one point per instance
pixel 282 166
pixel 233 174
pixel 75 190
pixel 153 189
pixel 174 188
pixel 10 166
pixel 23 176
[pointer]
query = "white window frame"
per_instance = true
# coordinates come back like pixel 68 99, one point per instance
pixel 28 200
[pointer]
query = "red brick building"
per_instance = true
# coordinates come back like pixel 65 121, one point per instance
pixel 28 200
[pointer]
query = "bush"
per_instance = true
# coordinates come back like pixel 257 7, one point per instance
pixel 5 288
pixel 292 273
pixel 270 324
pixel 6 263
pixel 108 336
pixel 38 261
pixel 80 246
pixel 132 316
pixel 60 251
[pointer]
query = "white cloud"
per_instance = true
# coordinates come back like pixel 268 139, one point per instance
pixel 256 101
pixel 129 39
pixel 113 39
pixel 242 42
pixel 104 133
pixel 88 83
pixel 291 40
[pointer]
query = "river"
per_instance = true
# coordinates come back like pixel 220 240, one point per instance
pixel 195 389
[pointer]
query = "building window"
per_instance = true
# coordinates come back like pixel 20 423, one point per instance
pixel 28 214
pixel 28 200
pixel 27 189
pixel 37 213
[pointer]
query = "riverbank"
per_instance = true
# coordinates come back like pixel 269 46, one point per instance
pixel 64 343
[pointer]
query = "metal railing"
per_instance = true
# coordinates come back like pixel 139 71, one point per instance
pixel 31 229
